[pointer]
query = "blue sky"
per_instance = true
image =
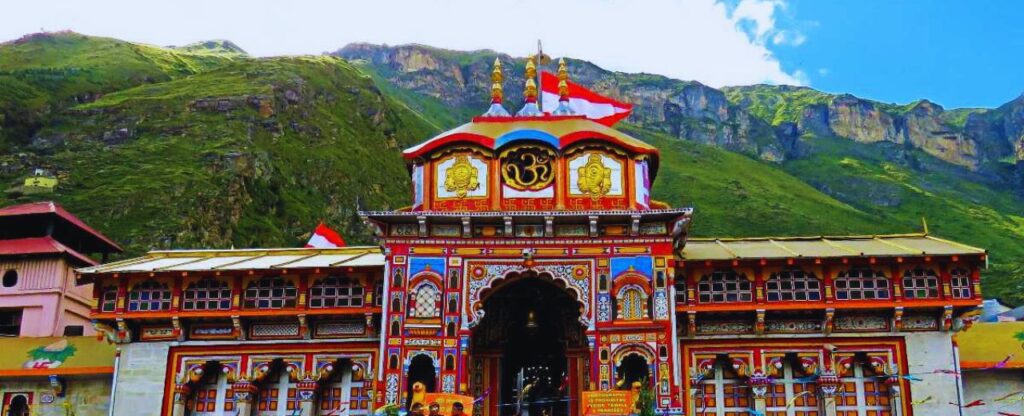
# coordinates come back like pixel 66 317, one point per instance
pixel 958 54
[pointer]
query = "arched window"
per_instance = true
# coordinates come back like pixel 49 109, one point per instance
pixel 962 288
pixel 450 330
pixel 397 281
pixel 335 291
pixel 858 284
pixel 207 294
pixel 602 283
pixel 213 395
pixel 149 295
pixel 793 393
pixel 793 285
pixel 378 295
pixel 724 286
pixel 863 393
pixel 453 279
pixel 425 301
pixel 632 303
pixel 920 283
pixel 723 393
pixel 270 293
pixel 680 286
pixel 453 304
pixel 449 362
pixel 108 299
pixel 395 329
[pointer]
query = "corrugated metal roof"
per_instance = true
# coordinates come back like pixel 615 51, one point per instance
pixel 823 247
pixel 244 259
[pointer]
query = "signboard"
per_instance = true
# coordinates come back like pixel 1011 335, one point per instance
pixel 158 333
pixel 607 403
pixel 212 331
pixel 447 402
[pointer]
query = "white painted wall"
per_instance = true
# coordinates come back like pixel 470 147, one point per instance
pixel 927 352
pixel 991 385
pixel 140 379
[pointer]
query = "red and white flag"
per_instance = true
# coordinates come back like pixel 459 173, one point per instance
pixel 324 237
pixel 585 102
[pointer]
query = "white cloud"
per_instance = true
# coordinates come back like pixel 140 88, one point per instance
pixel 789 38
pixel 688 39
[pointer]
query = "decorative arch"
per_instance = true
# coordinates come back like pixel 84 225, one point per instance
pixel 577 278
pixel 631 279
pixel 645 351
pixel 632 303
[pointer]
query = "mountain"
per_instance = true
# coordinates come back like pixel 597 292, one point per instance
pixel 204 146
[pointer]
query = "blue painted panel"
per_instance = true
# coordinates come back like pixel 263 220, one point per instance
pixel 419 264
pixel 641 265
pixel 526 135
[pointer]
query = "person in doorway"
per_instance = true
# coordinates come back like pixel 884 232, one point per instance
pixel 457 409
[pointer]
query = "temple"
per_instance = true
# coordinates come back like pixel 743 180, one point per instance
pixel 531 267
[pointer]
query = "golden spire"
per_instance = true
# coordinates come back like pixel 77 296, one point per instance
pixel 496 109
pixel 496 79
pixel 530 93
pixel 563 80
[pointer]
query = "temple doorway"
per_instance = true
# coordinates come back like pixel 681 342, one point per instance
pixel 532 334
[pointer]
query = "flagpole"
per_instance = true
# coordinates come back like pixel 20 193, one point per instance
pixel 540 87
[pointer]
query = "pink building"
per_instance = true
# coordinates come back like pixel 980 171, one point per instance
pixel 40 246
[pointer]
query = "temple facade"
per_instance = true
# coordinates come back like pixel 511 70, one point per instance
pixel 533 266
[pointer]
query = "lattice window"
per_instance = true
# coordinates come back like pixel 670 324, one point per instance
pixel 277 396
pixel 425 301
pixel 724 286
pixel 335 291
pixel 863 394
pixel 962 287
pixel 723 395
pixel 207 294
pixel 680 287
pixel 792 395
pixel 270 293
pixel 108 299
pixel 858 284
pixel 920 283
pixel 214 398
pixel 335 396
pixel 632 303
pixel 793 285
pixel 149 295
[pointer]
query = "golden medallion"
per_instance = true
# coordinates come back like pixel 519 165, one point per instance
pixel 461 177
pixel 594 178
pixel 528 168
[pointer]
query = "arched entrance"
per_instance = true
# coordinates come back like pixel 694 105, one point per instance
pixel 421 371
pixel 530 335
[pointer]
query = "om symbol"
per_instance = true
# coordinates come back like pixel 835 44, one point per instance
pixel 527 168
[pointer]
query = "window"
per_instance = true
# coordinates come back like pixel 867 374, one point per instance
pixel 723 394
pixel 724 286
pixel 335 291
pixel 74 330
pixel 863 394
pixel 149 295
pixel 793 285
pixel 10 278
pixel 10 322
pixel 425 301
pixel 961 284
pixel 858 284
pixel 680 285
pixel 337 391
pixel 378 295
pixel 108 299
pixel 920 283
pixel 207 294
pixel 270 293
pixel 214 395
pixel 277 396
pixel 17 404
pixel 632 303
pixel 792 394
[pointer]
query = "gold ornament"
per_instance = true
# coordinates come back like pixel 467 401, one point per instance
pixel 496 79
pixel 594 178
pixel 563 79
pixel 461 177
pixel 531 85
pixel 527 168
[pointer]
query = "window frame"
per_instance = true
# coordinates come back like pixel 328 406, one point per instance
pixel 961 284
pixel 876 276
pixel 149 287
pixel 794 277
pixel 287 299
pixel 708 294
pixel 917 276
pixel 338 284
pixel 221 302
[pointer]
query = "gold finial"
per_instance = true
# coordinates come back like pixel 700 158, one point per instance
pixel 496 78
pixel 563 80
pixel 531 86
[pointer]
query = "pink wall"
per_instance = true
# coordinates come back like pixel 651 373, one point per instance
pixel 46 290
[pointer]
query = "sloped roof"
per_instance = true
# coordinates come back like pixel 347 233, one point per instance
pixel 559 132
pixel 46 356
pixel 823 247
pixel 243 259
pixel 987 344
pixel 53 208
pixel 41 245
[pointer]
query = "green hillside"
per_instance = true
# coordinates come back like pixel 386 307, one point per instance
pixel 203 146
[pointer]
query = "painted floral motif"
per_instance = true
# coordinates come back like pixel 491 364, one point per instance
pixel 448 384
pixel 483 276
pixel 391 391
pixel 604 309
pixel 660 305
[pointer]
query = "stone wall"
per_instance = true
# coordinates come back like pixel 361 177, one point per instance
pixel 991 385
pixel 140 380
pixel 86 396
